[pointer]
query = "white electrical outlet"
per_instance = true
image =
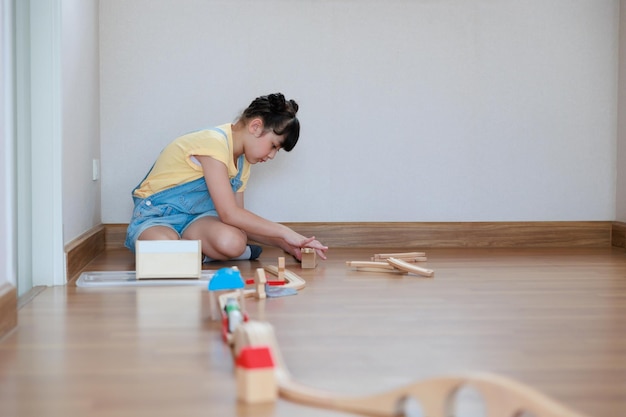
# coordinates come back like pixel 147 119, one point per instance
pixel 96 170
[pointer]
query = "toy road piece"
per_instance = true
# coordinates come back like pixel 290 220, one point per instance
pixel 292 279
pixel 405 266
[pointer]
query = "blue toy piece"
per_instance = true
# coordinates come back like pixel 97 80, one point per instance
pixel 226 279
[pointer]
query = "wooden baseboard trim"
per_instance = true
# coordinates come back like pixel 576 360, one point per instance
pixel 8 308
pixel 83 250
pixel 618 235
pixel 439 234
pixel 459 234
pixel 115 235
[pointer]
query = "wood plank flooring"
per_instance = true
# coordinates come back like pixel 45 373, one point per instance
pixel 554 319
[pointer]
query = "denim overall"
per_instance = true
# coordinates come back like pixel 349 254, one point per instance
pixel 175 207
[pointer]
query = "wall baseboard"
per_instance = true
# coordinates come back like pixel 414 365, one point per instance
pixel 83 250
pixel 401 235
pixel 618 235
pixel 438 234
pixel 8 308
pixel 459 234
pixel 115 235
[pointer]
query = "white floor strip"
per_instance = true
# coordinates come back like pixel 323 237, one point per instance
pixel 97 279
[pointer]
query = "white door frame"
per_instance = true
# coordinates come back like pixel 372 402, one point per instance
pixel 8 257
pixel 39 121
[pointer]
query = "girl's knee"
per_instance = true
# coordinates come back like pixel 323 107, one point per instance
pixel 159 233
pixel 219 241
pixel 230 245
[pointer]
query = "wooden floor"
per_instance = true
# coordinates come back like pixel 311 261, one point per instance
pixel 554 319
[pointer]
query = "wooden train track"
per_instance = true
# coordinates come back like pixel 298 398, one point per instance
pixel 503 397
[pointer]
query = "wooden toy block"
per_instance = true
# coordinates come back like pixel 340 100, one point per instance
pixel 281 268
pixel 308 258
pixel 256 376
pixel 168 259
pixel 259 281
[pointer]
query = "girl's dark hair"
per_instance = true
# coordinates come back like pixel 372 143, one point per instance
pixel 278 114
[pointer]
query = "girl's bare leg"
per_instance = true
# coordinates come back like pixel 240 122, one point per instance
pixel 219 240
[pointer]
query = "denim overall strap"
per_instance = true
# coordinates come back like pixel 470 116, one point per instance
pixel 132 193
pixel 235 182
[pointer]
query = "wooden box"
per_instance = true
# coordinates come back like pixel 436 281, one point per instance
pixel 168 259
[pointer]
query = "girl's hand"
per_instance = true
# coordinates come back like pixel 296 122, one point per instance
pixel 310 242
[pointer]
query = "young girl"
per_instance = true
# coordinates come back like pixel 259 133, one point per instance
pixel 195 188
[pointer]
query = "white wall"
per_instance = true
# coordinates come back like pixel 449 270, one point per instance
pixel 81 116
pixel 621 138
pixel 452 110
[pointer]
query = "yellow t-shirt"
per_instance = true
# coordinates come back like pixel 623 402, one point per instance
pixel 176 164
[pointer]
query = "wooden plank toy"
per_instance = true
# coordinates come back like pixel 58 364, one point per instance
pixel 405 266
pixel 404 256
pixel 168 259
pixel 373 266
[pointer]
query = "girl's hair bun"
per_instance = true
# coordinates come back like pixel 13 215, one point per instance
pixel 294 106
pixel 277 102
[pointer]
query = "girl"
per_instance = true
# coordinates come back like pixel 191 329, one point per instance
pixel 195 188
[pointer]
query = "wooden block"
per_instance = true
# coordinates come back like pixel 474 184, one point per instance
pixel 168 259
pixel 308 258
pixel 259 281
pixel 281 268
pixel 256 376
pixel 255 387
